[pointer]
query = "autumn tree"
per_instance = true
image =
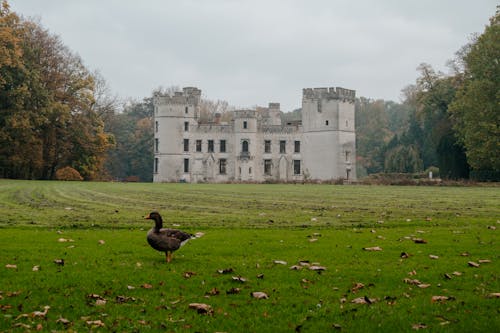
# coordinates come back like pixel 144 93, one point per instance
pixel 47 104
pixel 475 110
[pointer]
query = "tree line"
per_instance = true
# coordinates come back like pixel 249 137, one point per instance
pixel 56 115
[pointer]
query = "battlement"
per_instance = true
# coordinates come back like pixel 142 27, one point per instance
pixel 245 114
pixel 328 93
pixel 188 95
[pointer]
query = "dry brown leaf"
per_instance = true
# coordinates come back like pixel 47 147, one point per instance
pixel 233 291
pixel 188 274
pixel 295 267
pixel 484 261
pixel 147 286
pixel 199 234
pixel 124 299
pixel 373 248
pixel 432 256
pixel 456 273
pixel 100 302
pixel 225 270
pixel 101 242
pixel 280 262
pixel 404 255
pixel 59 262
pixel 63 321
pixel 95 323
pixel 11 266
pixel 356 287
pixel 494 295
pixel 439 299
pixel 213 292
pixel 259 295
pixel 35 268
pixel 418 326
pixel 364 300
pixel 412 281
pixel 465 254
pixel 239 279
pixel 423 285
pixel 419 241
pixel 317 268
pixel 312 240
pixel 473 264
pixel 492 227
pixel 201 308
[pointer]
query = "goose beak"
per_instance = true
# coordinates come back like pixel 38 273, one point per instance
pixel 147 217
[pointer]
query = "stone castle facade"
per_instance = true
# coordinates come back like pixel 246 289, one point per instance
pixel 255 146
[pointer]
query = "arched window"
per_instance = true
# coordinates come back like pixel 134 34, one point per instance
pixel 244 146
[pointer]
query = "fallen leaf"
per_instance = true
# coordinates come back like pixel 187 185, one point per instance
pixel 213 292
pixel 456 273
pixel 233 291
pixel 432 256
pixel 101 242
pixel 494 295
pixel 11 266
pixel 199 234
pixel 239 279
pixel 124 299
pixel 439 298
pixel 465 254
pixel 280 262
pixel 35 268
pixel 492 227
pixel 260 276
pixel 59 262
pixel 419 241
pixel 41 314
pixel 317 268
pixel 473 264
pixel 404 255
pixel 225 270
pixel 95 323
pixel 412 281
pixel 201 308
pixel 484 261
pixel 295 267
pixel 63 321
pixel 356 287
pixel 94 296
pixel 413 272
pixel 373 248
pixel 259 295
pixel 188 274
pixel 364 300
pixel 100 302
pixel 147 286
pixel 312 240
pixel 418 326
pixel 130 287
pixel 423 285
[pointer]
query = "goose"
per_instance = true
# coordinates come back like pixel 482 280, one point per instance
pixel 163 239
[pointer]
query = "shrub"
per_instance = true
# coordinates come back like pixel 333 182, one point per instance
pixel 68 173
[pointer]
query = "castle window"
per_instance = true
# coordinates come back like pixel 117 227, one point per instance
pixel 186 126
pixel 222 146
pixel 244 146
pixel 347 155
pixel 296 167
pixel 245 124
pixel 186 110
pixel 250 170
pixel 156 166
pixel 156 126
pixel 267 146
pixel 186 144
pixel 297 147
pixel 267 167
pixel 326 122
pixel 186 165
pixel 210 146
pixel 157 144
pixel 282 146
pixel 347 123
pixel 198 145
pixel 222 166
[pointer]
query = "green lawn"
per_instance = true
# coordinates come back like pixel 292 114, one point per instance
pixel 112 280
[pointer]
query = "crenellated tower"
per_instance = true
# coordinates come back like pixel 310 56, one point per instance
pixel 329 134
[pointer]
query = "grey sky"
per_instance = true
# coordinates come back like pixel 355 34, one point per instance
pixel 259 51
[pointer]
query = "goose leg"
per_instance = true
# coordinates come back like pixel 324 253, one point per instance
pixel 169 256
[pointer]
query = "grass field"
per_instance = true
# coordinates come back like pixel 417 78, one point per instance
pixel 112 280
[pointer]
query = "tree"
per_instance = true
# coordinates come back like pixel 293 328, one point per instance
pixel 46 105
pixel 475 110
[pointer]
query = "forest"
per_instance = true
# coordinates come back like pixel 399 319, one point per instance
pixel 58 119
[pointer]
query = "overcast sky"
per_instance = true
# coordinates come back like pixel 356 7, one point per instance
pixel 258 51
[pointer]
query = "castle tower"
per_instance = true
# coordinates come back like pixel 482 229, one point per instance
pixel 329 136
pixel 245 143
pixel 174 116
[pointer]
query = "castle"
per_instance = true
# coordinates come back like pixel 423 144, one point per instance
pixel 255 146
